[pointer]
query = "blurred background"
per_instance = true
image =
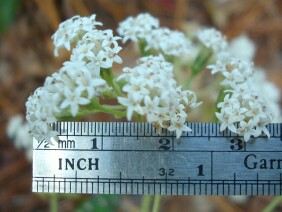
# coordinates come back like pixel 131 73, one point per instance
pixel 26 58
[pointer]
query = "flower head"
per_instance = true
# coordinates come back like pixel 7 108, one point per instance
pixel 168 42
pixel 211 38
pixel 98 49
pixel 245 109
pixel 73 86
pixel 269 92
pixel 152 92
pixel 70 30
pixel 17 130
pixel 242 47
pixel 137 28
pixel 235 71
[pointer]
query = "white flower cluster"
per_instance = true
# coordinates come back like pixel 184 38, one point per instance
pixel 248 110
pixel 269 92
pixel 153 92
pixel 145 27
pixel 74 85
pixel 211 38
pixel 137 28
pixel 98 49
pixel 235 71
pixel 79 80
pixel 18 131
pixel 71 30
pixel 242 47
pixel 245 110
pixel 169 42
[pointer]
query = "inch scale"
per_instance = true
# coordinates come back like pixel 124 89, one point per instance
pixel 131 158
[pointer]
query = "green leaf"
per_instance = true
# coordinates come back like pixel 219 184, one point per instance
pixel 100 203
pixel 201 61
pixel 8 11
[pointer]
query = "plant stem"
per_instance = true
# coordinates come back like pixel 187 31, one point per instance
pixel 201 60
pixel 110 78
pixel 146 203
pixel 116 110
pixel 199 64
pixel 275 202
pixel 188 82
pixel 142 45
pixel 220 98
pixel 157 201
pixel 53 202
pixel 109 109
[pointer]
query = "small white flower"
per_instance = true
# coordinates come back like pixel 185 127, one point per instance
pixel 88 83
pixel 151 108
pixel 227 102
pixel 226 121
pixel 255 111
pixel 177 125
pixel 222 63
pixel 237 112
pixel 73 99
pixel 261 127
pixel 246 129
pixel 232 78
pixel 132 103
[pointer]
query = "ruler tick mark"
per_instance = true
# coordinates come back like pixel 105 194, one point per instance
pixel 54 179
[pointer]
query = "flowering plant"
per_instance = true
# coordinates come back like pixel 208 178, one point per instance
pixel 153 90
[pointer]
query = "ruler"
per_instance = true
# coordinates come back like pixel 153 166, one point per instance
pixel 131 158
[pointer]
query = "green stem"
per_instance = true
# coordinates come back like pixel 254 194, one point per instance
pixel 157 201
pixel 178 71
pixel 110 78
pixel 115 107
pixel 117 110
pixel 201 60
pixel 146 203
pixel 109 109
pixel 189 81
pixel 220 98
pixel 53 202
pixel 139 118
pixel 170 59
pixel 198 65
pixel 142 45
pixel 275 202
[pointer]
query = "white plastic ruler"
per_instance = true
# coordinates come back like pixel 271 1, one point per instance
pixel 131 158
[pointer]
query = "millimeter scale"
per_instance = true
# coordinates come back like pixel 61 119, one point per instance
pixel 132 158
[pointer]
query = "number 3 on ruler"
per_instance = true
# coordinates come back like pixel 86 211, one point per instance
pixel 236 144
